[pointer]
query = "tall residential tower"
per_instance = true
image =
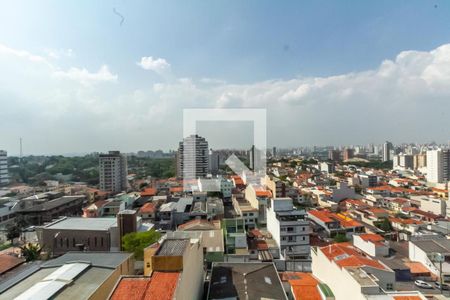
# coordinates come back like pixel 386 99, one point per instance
pixel 192 158
pixel 4 178
pixel 113 172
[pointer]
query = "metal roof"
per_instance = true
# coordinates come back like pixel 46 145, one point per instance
pixel 173 247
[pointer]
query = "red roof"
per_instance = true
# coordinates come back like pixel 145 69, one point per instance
pixel 148 192
pixel 371 237
pixel 344 255
pixel 131 288
pixel 237 180
pixel 148 208
pixel 161 286
pixel 7 262
pixel 304 286
pixel 176 189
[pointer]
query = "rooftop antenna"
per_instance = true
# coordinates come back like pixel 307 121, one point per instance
pixel 20 155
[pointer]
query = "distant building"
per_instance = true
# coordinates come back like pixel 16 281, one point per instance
pixel 113 172
pixel 422 251
pixel 334 155
pixel 438 165
pixel 348 154
pixel 49 210
pixel 4 178
pixel 289 228
pixel 256 158
pixel 127 223
pixel 388 148
pixel 214 162
pixel 192 158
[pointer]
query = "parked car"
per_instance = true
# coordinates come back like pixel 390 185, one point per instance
pixel 423 284
pixel 444 286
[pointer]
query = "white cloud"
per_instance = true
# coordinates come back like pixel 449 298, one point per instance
pixel 59 53
pixel 85 77
pixel 21 53
pixel 157 65
pixel 403 99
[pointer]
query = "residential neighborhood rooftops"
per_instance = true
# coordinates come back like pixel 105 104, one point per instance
pixel 172 247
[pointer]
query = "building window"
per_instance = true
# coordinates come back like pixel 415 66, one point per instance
pixel 101 242
pixel 389 286
pixel 290 229
pixel 95 241
pixel 73 242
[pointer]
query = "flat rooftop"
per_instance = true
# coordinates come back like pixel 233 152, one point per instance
pixel 78 223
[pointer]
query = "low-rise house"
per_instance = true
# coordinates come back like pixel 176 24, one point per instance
pixel 371 244
pixel 148 211
pixel 409 225
pixel 301 286
pixel 349 274
pixel 235 236
pixel 429 252
pixel 176 269
pixel 245 281
pixel 335 223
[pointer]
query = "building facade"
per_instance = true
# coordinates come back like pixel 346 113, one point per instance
pixel 438 165
pixel 4 178
pixel 192 158
pixel 289 228
pixel 113 172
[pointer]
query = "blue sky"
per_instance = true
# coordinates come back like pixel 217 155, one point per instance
pixel 215 54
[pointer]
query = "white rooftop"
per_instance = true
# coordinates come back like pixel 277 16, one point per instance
pixel 83 224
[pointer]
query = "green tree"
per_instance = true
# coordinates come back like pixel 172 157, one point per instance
pixel 31 251
pixel 13 231
pixel 136 242
pixel 385 225
pixel 340 238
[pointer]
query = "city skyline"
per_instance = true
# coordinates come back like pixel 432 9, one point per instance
pixel 326 75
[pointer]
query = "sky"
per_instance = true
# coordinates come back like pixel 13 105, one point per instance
pixel 85 76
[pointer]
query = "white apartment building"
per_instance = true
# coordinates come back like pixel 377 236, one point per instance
pixel 289 228
pixel 193 158
pixel 387 151
pixel 433 205
pixel 4 178
pixel 438 165
pixel 113 172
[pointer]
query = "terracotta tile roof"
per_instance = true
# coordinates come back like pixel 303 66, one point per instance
pixel 176 189
pixel 344 255
pixel 371 237
pixel 304 286
pixel 322 215
pixel 405 221
pixel 263 193
pixel 131 288
pixel 148 192
pixel 237 180
pixel 407 298
pixel 148 208
pixel 162 286
pixel 417 267
pixel 7 262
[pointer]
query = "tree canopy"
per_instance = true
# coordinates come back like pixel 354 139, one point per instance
pixel 136 242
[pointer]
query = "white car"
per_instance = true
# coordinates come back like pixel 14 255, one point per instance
pixel 423 284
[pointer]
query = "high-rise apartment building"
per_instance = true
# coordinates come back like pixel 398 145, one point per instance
pixel 4 178
pixel 334 155
pixel 113 172
pixel 438 165
pixel 388 148
pixel 348 154
pixel 192 157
